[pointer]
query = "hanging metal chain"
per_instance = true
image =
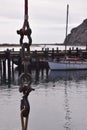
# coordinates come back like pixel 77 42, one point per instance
pixel 25 78
pixel 26 30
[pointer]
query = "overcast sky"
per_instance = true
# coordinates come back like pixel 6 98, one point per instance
pixel 47 19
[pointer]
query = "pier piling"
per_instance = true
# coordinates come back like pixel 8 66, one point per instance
pixel 4 70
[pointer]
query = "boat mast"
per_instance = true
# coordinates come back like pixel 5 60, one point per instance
pixel 66 28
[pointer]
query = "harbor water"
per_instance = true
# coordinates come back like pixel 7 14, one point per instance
pixel 39 47
pixel 59 102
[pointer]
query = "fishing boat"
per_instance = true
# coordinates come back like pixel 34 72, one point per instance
pixel 68 63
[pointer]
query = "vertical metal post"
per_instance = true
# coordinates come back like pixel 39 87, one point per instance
pixel 4 70
pixel 12 71
pixel 9 67
pixel 1 70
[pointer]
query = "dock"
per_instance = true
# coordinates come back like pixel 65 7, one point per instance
pixel 38 60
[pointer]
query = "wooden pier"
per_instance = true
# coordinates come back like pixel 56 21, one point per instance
pixel 37 60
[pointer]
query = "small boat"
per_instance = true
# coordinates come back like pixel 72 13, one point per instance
pixel 68 65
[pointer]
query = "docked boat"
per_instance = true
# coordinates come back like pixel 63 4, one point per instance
pixel 68 65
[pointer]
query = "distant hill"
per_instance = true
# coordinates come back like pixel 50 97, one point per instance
pixel 78 35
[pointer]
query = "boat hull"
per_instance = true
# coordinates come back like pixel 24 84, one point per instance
pixel 68 65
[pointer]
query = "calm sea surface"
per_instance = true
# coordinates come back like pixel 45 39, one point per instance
pixel 39 47
pixel 59 102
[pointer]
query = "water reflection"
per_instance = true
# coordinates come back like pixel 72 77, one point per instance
pixel 68 75
pixel 68 118
pixel 56 104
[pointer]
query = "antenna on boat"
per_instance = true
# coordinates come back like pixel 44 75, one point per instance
pixel 66 28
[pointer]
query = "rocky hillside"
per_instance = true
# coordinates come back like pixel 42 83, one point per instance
pixel 78 35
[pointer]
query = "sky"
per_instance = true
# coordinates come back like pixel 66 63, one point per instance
pixel 47 19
